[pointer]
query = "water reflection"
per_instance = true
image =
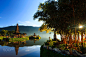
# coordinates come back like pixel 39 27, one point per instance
pixel 17 44
pixel 29 51
pixel 34 40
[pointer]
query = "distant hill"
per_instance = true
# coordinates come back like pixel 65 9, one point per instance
pixel 30 30
pixel 21 28
pixel 27 29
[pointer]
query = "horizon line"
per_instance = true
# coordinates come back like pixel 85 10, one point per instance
pixel 18 25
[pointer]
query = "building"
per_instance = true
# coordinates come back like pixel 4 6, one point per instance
pixel 17 34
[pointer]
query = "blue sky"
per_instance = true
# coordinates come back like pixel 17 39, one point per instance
pixel 19 11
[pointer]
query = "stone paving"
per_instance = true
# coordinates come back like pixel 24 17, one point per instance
pixel 74 52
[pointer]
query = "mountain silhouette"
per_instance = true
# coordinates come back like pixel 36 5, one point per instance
pixel 30 30
pixel 21 28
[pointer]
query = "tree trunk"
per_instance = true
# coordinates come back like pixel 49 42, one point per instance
pixel 70 50
pixel 74 20
pixel 82 38
pixel 75 37
pixel 55 35
pixel 65 39
pixel 70 39
pixel 61 36
pixel 78 37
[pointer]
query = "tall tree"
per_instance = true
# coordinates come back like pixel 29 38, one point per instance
pixel 4 32
pixel 48 14
pixel 61 15
pixel 10 32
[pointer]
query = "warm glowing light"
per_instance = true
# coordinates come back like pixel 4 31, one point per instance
pixel 80 26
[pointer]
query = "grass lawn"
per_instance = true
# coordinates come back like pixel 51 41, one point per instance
pixel 18 39
pixel 1 37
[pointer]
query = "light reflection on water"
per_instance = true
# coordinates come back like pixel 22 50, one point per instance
pixel 29 49
pixel 22 52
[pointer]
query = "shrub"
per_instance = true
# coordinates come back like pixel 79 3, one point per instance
pixel 50 43
pixel 48 53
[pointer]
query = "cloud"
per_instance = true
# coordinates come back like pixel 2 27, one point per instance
pixel 36 19
pixel 24 22
pixel 45 0
pixel 19 21
pixel 0 17
pixel 36 25
pixel 28 23
pixel 27 50
pixel 41 22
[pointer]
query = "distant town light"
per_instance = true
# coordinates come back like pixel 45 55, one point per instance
pixel 80 26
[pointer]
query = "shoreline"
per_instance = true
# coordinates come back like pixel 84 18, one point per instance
pixel 64 52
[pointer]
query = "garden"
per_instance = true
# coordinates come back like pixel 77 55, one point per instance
pixel 73 49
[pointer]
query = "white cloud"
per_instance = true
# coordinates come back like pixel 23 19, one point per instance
pixel 19 21
pixel 41 22
pixel 28 23
pixel 23 23
pixel 36 19
pixel 27 50
pixel 36 25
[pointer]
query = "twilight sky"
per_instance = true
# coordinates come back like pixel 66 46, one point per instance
pixel 19 11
